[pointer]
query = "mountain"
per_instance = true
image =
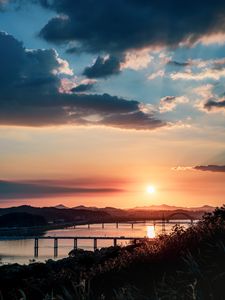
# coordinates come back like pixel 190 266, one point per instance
pixel 114 212
pixel 61 206
pixel 205 208
pixel 55 215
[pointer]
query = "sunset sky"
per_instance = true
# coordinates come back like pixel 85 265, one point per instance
pixel 101 99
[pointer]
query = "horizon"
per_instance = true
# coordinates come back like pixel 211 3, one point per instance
pixel 129 113
pixel 155 207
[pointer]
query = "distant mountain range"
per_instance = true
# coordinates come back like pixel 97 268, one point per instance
pixel 142 211
pixel 205 208
pixel 82 214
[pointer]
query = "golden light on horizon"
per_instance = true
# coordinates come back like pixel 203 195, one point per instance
pixel 151 231
pixel 151 189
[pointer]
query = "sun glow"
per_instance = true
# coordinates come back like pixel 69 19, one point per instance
pixel 150 189
pixel 151 232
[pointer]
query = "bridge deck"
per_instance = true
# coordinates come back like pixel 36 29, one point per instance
pixel 75 237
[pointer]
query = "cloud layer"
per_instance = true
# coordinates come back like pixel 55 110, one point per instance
pixel 208 168
pixel 121 25
pixel 16 190
pixel 30 85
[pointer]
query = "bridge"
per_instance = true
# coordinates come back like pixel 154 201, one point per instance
pixel 76 238
pixel 168 219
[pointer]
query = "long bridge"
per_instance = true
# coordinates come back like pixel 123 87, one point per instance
pixel 164 220
pixel 168 220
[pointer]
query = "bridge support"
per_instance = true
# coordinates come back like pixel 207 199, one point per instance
pixel 114 242
pixel 55 247
pixel 117 225
pixel 36 247
pixel 89 226
pixel 103 225
pixel 163 225
pixel 95 244
pixel 132 225
pixel 75 243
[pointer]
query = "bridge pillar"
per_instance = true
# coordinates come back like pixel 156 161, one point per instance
pixel 103 225
pixel 135 241
pixel 75 243
pixel 89 226
pixel 132 225
pixel 95 244
pixel 163 225
pixel 55 247
pixel 117 225
pixel 114 242
pixel 36 247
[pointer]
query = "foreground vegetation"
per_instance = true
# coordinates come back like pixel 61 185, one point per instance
pixel 186 264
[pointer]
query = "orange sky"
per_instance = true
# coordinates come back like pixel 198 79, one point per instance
pixel 126 160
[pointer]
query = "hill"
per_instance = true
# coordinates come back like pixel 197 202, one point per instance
pixel 21 219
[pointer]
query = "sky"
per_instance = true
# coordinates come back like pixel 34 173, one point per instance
pixel 101 99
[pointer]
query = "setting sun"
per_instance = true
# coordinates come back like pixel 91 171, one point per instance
pixel 151 189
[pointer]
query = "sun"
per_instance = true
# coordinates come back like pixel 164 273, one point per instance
pixel 150 189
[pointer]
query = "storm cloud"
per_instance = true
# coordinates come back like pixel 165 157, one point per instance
pixel 103 67
pixel 30 82
pixel 120 25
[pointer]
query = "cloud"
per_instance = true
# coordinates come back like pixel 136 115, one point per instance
pixel 169 103
pixel 215 106
pixel 136 59
pixel 211 168
pixel 103 67
pixel 209 101
pixel 180 168
pixel 82 88
pixel 214 74
pixel 33 93
pixel 199 69
pixel 159 73
pixel 137 120
pixel 178 64
pixel 122 25
pixel 18 190
pixel 208 168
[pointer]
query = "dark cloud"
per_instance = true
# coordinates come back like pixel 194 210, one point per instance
pixel 119 25
pixel 178 64
pixel 137 120
pixel 214 105
pixel 16 190
pixel 211 168
pixel 103 67
pixel 30 94
pixel 208 168
pixel 82 88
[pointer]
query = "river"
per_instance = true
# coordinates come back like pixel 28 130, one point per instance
pixel 22 250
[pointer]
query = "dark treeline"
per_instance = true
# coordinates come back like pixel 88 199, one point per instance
pixel 21 219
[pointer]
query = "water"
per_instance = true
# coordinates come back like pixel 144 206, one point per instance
pixel 22 251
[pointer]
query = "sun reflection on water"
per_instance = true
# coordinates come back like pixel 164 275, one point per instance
pixel 151 231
